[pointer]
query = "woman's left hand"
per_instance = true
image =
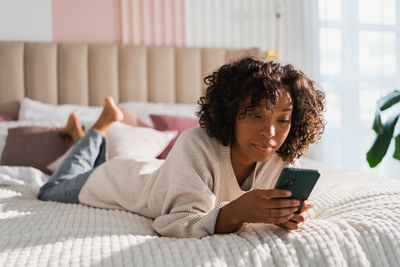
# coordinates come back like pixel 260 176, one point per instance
pixel 298 220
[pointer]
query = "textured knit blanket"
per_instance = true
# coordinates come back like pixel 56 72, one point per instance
pixel 356 222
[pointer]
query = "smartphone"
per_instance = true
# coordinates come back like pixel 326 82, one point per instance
pixel 299 181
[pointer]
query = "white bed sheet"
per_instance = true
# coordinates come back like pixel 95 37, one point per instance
pixel 356 223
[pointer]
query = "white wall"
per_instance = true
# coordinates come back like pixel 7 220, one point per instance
pixel 25 20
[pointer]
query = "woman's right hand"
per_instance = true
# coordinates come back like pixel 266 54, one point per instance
pixel 256 206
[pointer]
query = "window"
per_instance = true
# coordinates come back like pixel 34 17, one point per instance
pixel 359 62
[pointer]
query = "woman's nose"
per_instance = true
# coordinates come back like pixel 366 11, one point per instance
pixel 269 130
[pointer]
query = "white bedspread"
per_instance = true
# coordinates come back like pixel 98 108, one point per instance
pixel 356 223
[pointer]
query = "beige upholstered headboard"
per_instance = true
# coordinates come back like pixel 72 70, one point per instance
pixel 61 73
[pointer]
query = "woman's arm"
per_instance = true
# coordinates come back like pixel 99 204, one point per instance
pixel 190 211
pixel 256 206
pixel 227 222
pixel 188 214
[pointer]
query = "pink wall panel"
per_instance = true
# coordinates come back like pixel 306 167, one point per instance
pixel 135 22
pixel 147 21
pixel 126 26
pixel 157 22
pixel 91 21
pixel 141 22
pixel 167 25
pixel 153 22
pixel 179 22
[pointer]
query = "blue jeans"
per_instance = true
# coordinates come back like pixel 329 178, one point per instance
pixel 65 184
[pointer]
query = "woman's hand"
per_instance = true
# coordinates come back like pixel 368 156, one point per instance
pixel 257 206
pixel 298 220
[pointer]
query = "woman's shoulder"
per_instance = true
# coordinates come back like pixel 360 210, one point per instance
pixel 198 134
pixel 196 140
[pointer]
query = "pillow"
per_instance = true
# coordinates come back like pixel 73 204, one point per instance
pixel 144 109
pixel 131 119
pixel 170 122
pixel 5 117
pixel 34 146
pixel 52 166
pixel 139 143
pixel 5 125
pixel 36 110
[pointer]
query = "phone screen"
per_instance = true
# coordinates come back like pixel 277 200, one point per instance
pixel 299 181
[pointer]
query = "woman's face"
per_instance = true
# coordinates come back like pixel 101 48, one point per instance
pixel 260 133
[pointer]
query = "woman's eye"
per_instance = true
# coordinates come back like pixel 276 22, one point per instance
pixel 284 121
pixel 255 116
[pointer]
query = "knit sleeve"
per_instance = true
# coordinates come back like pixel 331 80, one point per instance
pixel 188 204
pixel 188 222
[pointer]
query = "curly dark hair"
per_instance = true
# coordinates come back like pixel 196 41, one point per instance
pixel 232 84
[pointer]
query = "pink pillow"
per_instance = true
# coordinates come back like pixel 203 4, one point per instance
pixel 34 146
pixel 172 122
pixel 5 117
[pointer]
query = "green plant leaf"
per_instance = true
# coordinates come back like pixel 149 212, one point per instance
pixel 396 153
pixel 383 104
pixel 389 100
pixel 381 144
pixel 377 126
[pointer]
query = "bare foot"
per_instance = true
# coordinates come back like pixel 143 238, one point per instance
pixel 73 127
pixel 110 114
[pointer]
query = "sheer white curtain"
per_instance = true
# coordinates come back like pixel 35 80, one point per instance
pixel 356 61
pixel 239 23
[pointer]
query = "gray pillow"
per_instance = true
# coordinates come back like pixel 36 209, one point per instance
pixel 34 146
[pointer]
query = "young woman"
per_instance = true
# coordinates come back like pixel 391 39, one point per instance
pixel 256 118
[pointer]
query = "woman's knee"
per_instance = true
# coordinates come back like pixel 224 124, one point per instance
pixel 58 193
pixel 44 192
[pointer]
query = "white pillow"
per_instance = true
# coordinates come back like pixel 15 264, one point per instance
pixel 36 110
pixel 139 143
pixel 143 109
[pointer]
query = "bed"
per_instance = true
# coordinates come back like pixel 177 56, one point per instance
pixel 355 222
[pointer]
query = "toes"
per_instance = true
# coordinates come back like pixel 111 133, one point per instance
pixel 109 101
pixel 110 110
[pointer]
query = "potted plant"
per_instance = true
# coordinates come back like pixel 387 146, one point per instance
pixel 384 131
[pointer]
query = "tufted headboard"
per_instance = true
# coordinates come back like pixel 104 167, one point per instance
pixel 63 73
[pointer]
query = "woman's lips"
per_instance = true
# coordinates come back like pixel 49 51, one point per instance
pixel 263 147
